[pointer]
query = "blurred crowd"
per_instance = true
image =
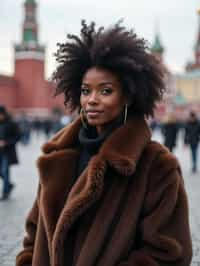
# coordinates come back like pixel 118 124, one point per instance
pixel 189 130
pixel 46 126
pixel 21 128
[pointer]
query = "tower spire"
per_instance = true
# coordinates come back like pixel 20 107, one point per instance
pixel 29 42
pixel 197 46
pixel 157 47
pixel 30 61
pixel 196 64
pixel 30 27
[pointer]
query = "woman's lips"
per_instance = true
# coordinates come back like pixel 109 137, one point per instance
pixel 93 113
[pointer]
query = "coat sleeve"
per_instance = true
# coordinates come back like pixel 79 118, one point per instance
pixel 164 227
pixel 24 258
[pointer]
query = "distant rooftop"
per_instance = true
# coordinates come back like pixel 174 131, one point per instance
pixel 30 2
pixel 157 45
pixel 193 74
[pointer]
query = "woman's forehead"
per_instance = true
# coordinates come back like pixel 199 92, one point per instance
pixel 95 74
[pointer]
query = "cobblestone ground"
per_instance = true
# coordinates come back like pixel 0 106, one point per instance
pixel 14 211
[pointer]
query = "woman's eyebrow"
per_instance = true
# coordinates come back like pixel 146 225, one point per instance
pixel 106 83
pixel 101 83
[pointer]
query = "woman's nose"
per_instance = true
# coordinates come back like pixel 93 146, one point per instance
pixel 93 98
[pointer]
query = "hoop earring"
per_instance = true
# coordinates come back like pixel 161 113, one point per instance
pixel 125 113
pixel 83 118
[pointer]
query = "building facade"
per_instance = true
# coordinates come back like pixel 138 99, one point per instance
pixel 188 83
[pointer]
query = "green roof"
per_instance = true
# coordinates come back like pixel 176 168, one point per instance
pixel 29 35
pixel 30 2
pixel 157 46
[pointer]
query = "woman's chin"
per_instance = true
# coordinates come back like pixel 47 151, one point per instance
pixel 94 122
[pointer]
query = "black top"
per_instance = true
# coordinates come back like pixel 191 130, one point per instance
pixel 90 142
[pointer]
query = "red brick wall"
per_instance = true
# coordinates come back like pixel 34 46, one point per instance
pixel 8 89
pixel 7 96
pixel 32 86
pixel 28 89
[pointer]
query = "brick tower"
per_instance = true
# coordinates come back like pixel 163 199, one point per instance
pixel 30 62
pixel 196 64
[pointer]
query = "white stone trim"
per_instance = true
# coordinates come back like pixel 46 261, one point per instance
pixel 20 55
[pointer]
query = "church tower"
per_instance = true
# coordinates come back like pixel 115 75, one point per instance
pixel 157 48
pixel 166 104
pixel 196 64
pixel 30 62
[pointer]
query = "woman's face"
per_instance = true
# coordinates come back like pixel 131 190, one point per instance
pixel 102 97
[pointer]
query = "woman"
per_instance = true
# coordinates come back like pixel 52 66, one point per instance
pixel 104 189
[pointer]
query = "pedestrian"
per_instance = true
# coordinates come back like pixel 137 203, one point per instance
pixel 25 128
pixel 9 135
pixel 107 194
pixel 191 138
pixel 169 130
pixel 37 126
pixel 47 127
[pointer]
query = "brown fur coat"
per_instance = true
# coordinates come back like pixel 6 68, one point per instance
pixel 142 220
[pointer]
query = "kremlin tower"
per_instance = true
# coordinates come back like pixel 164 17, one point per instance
pixel 28 90
pixel 188 82
pixel 157 48
pixel 29 61
pixel 164 106
pixel 196 64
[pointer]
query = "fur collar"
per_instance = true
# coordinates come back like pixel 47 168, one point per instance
pixel 121 149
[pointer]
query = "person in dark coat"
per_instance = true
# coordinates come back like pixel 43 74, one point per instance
pixel 47 126
pixel 170 131
pixel 9 135
pixel 192 137
pixel 104 187
pixel 25 129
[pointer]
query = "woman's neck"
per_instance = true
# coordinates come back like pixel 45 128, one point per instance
pixel 102 129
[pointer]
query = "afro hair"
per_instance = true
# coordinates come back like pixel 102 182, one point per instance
pixel 115 49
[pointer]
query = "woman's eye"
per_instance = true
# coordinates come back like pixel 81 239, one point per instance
pixel 84 91
pixel 106 91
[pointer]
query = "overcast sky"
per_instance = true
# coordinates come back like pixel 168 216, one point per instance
pixel 177 20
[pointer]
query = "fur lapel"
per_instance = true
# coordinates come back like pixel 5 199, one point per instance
pixel 85 192
pixel 120 154
pixel 58 164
